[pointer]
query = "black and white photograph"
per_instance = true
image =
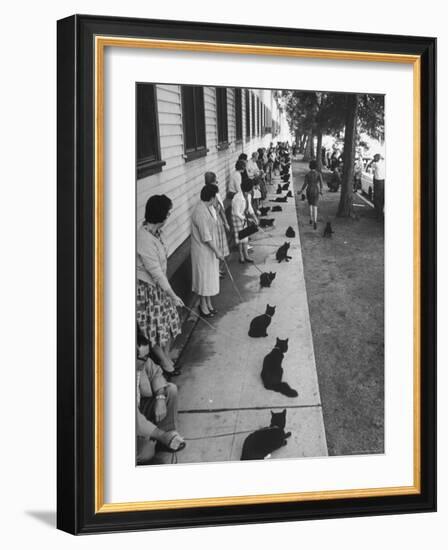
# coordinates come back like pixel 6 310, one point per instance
pixel 259 291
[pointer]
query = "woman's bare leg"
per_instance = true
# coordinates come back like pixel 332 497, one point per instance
pixel 165 361
pixel 241 250
pixel 204 305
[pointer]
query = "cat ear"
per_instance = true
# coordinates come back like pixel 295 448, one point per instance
pixel 286 340
pixel 284 412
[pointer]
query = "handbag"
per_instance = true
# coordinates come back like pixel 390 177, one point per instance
pixel 247 231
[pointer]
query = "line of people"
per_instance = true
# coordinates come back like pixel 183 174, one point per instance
pixel 216 225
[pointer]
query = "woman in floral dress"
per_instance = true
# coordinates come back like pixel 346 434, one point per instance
pixel 157 315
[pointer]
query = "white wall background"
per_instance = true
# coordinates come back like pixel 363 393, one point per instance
pixel 27 273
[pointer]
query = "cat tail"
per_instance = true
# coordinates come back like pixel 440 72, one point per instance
pixel 285 389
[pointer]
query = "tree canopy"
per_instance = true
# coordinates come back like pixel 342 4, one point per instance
pixel 315 114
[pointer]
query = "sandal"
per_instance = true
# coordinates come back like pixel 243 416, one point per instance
pixel 169 447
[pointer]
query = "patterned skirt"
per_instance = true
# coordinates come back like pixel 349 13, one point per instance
pixel 157 316
pixel 238 224
pixel 223 245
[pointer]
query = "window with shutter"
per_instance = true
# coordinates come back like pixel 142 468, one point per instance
pixel 193 118
pixel 147 131
pixel 221 116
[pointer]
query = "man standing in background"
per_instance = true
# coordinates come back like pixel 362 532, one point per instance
pixel 379 173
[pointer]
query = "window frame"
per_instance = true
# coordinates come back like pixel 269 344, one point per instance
pixel 238 114
pixel 147 166
pixel 201 150
pixel 222 117
pixel 252 112
pixel 247 112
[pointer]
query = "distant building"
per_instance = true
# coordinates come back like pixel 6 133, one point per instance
pixel 185 131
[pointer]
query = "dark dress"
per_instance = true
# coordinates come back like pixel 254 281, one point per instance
pixel 313 182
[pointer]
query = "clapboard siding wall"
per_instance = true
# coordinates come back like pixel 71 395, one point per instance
pixel 181 180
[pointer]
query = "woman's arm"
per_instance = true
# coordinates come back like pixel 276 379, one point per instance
pixel 150 257
pixel 224 219
pixel 250 210
pixel 305 183
pixel 216 251
pixel 205 231
pixel 238 207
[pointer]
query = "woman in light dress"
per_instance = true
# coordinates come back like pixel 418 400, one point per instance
pixel 205 251
pixel 223 225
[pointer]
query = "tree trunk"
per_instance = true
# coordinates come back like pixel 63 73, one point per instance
pixel 309 149
pixel 312 149
pixel 302 144
pixel 319 151
pixel 346 202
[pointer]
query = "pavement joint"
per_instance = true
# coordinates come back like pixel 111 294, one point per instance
pixel 200 411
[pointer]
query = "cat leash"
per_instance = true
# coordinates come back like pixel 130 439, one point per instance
pixel 215 436
pixel 220 331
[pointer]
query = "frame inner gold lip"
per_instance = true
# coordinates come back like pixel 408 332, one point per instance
pixel 101 42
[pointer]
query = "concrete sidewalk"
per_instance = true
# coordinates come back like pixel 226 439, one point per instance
pixel 221 395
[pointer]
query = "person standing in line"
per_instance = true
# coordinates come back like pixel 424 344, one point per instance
pixel 235 179
pixel 241 210
pixel 379 175
pixel 252 168
pixel 223 226
pixel 314 186
pixel 205 251
pixel 156 301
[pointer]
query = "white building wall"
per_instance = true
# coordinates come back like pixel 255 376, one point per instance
pixel 181 180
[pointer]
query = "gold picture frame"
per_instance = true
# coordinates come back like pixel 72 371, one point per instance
pixel 102 33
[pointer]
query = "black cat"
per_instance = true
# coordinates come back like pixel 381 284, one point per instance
pixel 277 209
pixel 272 372
pixel 267 222
pixel 259 324
pixel 282 253
pixel 281 199
pixel 266 279
pixel 261 443
pixel 264 210
pixel 290 233
pixel 328 230
pixel 279 189
pixel 289 194
pixel 285 187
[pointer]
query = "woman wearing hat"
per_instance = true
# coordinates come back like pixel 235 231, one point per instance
pixel 157 315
